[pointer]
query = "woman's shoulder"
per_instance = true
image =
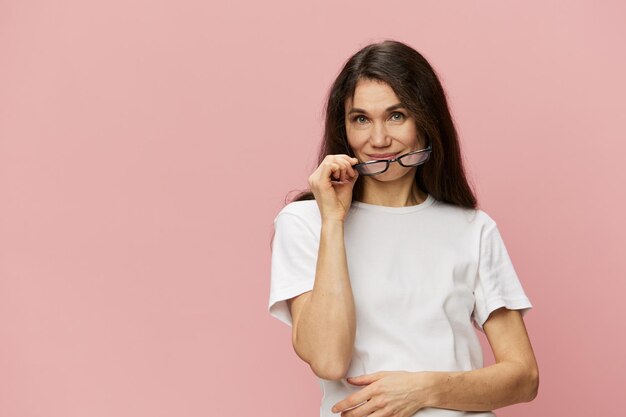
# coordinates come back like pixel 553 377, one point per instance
pixel 476 216
pixel 301 207
pixel 305 210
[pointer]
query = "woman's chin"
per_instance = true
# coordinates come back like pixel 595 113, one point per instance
pixel 391 176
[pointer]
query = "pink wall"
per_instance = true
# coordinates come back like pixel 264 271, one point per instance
pixel 145 148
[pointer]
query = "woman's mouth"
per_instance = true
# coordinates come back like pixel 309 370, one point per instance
pixel 383 155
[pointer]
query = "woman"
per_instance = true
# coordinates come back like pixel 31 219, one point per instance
pixel 386 266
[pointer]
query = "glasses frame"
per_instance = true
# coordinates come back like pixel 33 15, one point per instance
pixel 358 166
pixel 388 162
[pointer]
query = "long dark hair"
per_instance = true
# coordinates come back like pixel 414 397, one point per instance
pixel 417 86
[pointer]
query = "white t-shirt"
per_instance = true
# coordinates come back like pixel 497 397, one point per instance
pixel 423 278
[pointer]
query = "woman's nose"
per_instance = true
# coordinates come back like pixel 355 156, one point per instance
pixel 379 135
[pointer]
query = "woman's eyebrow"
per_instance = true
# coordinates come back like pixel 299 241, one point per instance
pixel 390 108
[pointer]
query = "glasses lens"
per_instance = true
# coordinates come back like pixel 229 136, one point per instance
pixel 415 158
pixel 372 169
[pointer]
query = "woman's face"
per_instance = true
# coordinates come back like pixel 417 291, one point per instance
pixel 378 127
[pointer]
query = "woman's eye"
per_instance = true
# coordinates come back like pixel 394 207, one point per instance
pixel 396 116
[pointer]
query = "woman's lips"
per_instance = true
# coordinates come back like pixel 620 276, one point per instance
pixel 383 156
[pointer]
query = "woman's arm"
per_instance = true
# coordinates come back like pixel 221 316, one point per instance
pixel 324 324
pixel 514 378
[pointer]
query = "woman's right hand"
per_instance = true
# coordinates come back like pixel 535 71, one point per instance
pixel 334 199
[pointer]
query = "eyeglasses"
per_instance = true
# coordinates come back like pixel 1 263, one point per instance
pixel 408 160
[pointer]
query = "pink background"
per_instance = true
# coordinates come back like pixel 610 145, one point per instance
pixel 146 147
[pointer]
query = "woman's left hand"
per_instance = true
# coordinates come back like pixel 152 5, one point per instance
pixel 387 394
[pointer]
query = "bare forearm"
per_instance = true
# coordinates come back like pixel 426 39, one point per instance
pixel 483 389
pixel 326 326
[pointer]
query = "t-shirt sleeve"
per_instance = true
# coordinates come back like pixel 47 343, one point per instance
pixel 294 259
pixel 497 284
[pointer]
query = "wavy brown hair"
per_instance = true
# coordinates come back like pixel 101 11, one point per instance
pixel 417 86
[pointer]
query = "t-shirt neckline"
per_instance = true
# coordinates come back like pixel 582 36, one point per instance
pixel 398 210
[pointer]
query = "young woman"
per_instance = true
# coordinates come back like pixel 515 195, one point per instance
pixel 386 267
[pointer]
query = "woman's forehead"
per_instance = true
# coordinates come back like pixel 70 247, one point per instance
pixel 372 95
pixel 371 92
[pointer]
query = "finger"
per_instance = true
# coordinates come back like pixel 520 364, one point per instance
pixel 364 409
pixel 348 157
pixel 351 160
pixel 351 410
pixel 333 164
pixel 342 168
pixel 352 400
pixel 344 174
pixel 351 171
pixel 335 170
pixel 381 412
pixel 348 165
pixel 365 379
